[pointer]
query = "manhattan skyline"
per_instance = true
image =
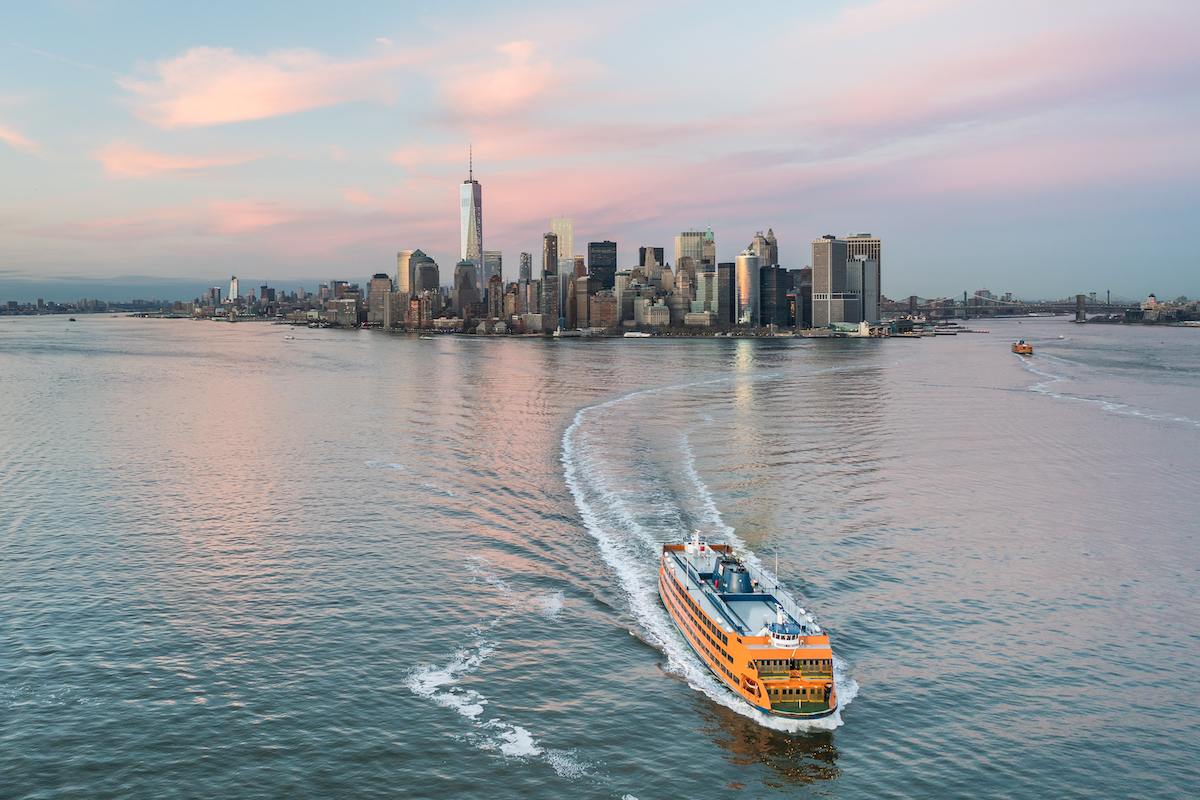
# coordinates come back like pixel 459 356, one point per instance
pixel 990 145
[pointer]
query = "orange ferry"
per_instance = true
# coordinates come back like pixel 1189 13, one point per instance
pixel 751 635
pixel 1022 349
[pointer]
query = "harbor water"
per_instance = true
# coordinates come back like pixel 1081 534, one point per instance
pixel 356 564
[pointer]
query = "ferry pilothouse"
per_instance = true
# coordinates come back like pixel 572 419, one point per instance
pixel 747 630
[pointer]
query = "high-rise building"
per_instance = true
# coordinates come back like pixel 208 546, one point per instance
pixel 526 268
pixel 708 258
pixel 602 262
pixel 495 297
pixel 493 264
pixel 549 254
pixel 747 309
pixel 765 248
pixel 726 292
pixel 654 254
pixel 773 290
pixel 864 244
pixel 404 272
pixel 706 293
pixel 564 229
pixel 833 297
pixel 471 225
pixel 464 293
pixel 690 244
pixel 425 273
pixel 585 288
pixel 377 297
pixel 234 294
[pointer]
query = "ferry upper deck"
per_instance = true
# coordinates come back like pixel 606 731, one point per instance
pixel 739 598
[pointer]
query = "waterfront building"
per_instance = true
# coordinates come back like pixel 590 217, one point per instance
pixel 511 306
pixel 493 264
pixel 495 298
pixel 837 283
pixel 773 290
pixel 726 292
pixel 747 310
pixel 377 297
pixel 650 256
pixel 586 288
pixel 864 244
pixel 622 294
pixel 549 254
pixel 395 308
pixel 603 310
pixel 548 297
pixel 471 225
pixel 526 268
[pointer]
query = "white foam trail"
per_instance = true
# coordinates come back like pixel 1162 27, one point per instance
pixel 630 550
pixel 439 683
pixel 1124 409
pixel 384 465
pixel 548 605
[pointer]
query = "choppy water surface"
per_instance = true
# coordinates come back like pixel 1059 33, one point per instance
pixel 358 565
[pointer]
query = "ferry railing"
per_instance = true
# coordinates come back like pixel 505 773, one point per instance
pixel 769 584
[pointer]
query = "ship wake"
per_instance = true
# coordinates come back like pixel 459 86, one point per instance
pixel 631 506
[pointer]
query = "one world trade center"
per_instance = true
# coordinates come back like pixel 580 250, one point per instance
pixel 472 225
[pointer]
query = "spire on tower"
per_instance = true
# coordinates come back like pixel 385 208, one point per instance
pixel 471 162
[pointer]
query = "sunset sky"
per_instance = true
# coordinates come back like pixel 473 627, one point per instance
pixel 1044 148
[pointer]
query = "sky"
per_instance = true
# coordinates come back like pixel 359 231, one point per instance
pixel 1041 148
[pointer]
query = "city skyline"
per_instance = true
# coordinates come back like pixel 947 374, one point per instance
pixel 157 142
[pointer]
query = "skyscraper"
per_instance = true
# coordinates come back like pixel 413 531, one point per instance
pixel 746 305
pixel 773 290
pixel 765 248
pixel 654 254
pixel 564 229
pixel 602 262
pixel 234 294
pixel 424 272
pixel 493 264
pixel 471 229
pixel 690 244
pixel 708 260
pixel 549 254
pixel 464 293
pixel 404 272
pixel 864 244
pixel 832 299
pixel 378 291
pixel 526 268
pixel 726 291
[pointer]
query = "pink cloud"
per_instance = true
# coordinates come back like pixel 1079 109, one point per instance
pixel 490 93
pixel 123 160
pixel 210 86
pixel 17 141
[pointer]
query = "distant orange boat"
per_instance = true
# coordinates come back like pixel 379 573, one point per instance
pixel 1022 349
